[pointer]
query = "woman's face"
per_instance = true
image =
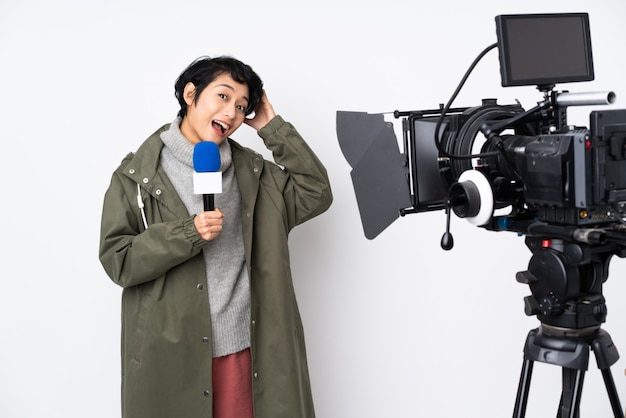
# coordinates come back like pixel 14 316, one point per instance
pixel 217 112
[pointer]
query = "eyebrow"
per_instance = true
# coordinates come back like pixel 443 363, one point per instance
pixel 228 86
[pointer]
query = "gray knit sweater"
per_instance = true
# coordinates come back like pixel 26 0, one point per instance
pixel 227 277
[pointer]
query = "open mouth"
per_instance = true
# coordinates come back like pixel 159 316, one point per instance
pixel 220 126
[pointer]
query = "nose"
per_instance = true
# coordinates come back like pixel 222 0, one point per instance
pixel 230 110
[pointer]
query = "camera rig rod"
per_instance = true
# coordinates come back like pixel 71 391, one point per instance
pixel 565 99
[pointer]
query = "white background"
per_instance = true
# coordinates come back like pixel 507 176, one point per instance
pixel 395 327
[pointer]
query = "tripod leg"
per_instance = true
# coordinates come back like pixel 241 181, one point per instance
pixel 572 390
pixel 523 388
pixel 607 355
pixel 612 391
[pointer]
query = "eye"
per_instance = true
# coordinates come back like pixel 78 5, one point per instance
pixel 222 96
pixel 242 108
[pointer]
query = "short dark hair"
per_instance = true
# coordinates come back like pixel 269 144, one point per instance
pixel 202 71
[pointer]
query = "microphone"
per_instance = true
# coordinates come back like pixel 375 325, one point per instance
pixel 207 177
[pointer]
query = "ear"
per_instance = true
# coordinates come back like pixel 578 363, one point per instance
pixel 189 93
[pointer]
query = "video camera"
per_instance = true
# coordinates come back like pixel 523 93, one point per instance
pixel 531 164
pixel 504 168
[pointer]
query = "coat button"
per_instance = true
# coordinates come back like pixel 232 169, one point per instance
pixel 200 286
pixel 158 192
pixel 145 180
pixel 205 339
pixel 207 393
pixel 131 171
pixel 256 170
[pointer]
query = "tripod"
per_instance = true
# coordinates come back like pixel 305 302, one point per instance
pixel 571 352
pixel 566 280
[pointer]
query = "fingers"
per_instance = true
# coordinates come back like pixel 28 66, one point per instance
pixel 264 100
pixel 209 223
pixel 263 114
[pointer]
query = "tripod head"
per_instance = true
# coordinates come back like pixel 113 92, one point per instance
pixel 565 279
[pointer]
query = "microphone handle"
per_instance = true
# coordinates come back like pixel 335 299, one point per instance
pixel 209 202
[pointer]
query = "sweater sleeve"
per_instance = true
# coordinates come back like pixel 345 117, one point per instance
pixel 307 190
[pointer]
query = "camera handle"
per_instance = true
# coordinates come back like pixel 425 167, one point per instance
pixel 559 101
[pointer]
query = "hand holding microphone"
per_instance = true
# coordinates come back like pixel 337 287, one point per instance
pixel 209 223
pixel 207 180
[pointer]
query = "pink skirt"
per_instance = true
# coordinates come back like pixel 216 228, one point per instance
pixel 232 386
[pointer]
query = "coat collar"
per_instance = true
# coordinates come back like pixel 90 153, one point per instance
pixel 143 168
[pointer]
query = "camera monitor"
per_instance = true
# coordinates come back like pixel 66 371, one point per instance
pixel 544 49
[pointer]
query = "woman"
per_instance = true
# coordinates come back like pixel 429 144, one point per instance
pixel 210 324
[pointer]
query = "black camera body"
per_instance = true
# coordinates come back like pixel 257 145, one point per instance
pixel 542 168
pixel 578 177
